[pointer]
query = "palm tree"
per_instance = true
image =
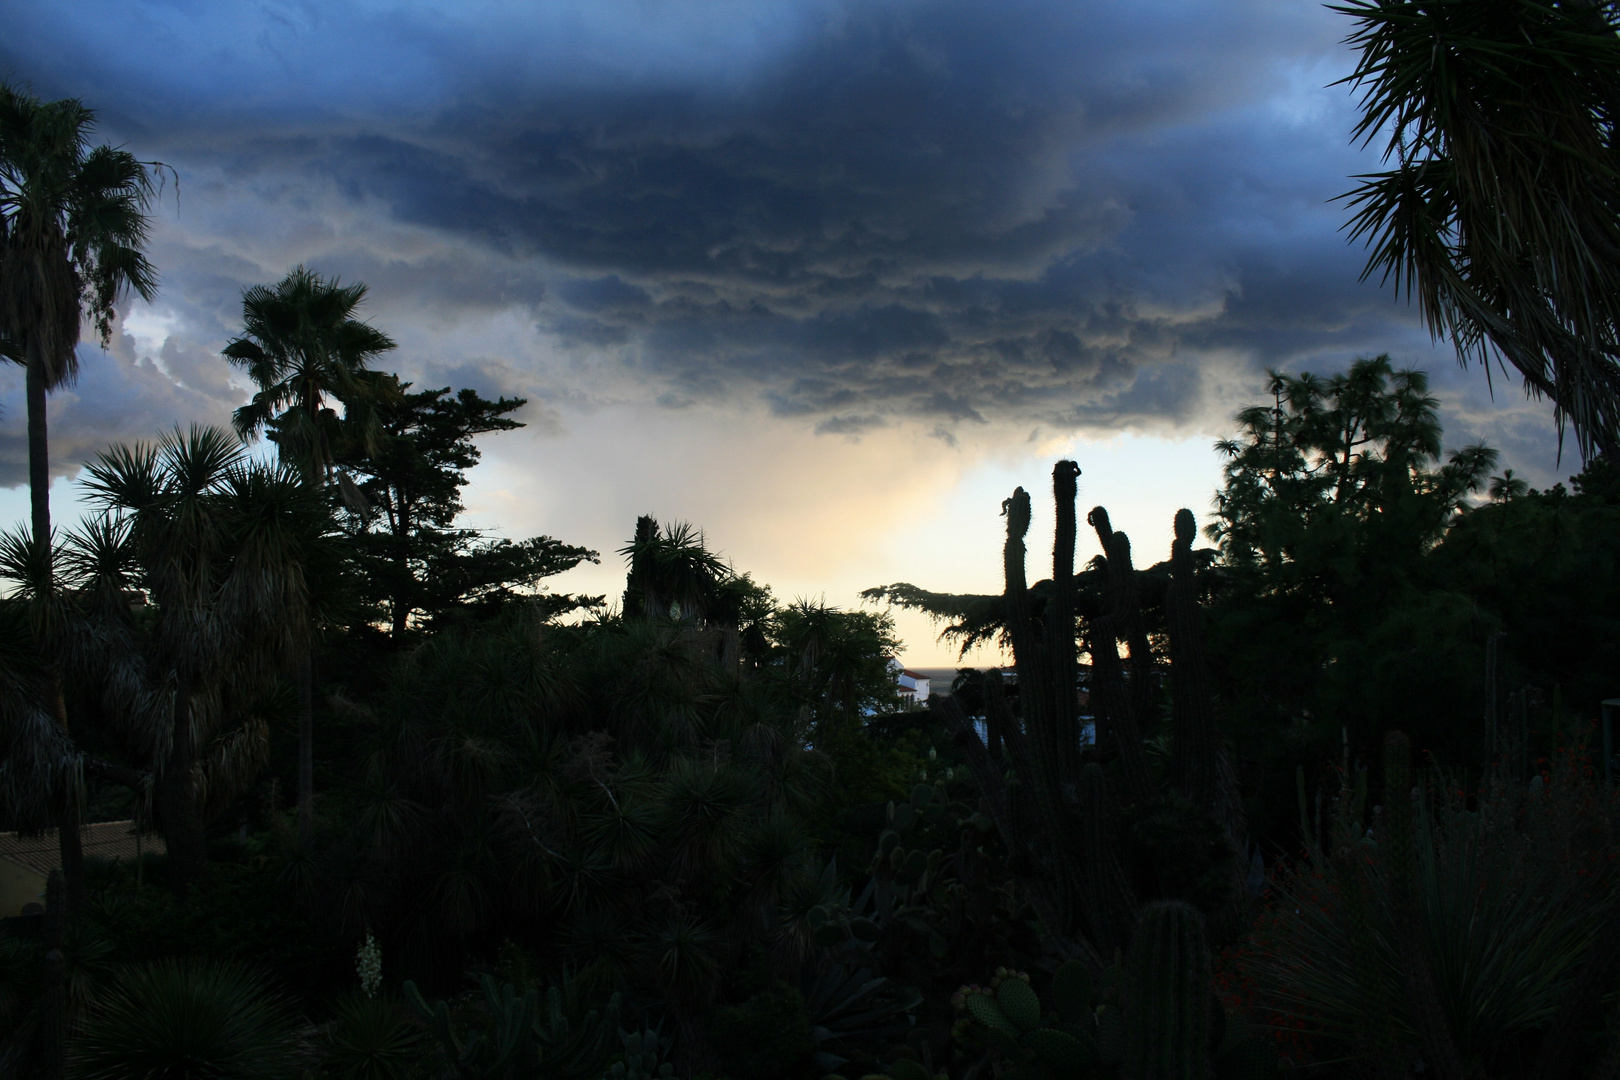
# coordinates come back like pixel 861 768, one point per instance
pixel 219 544
pixel 302 345
pixel 1502 210
pixel 72 227
pixel 1507 487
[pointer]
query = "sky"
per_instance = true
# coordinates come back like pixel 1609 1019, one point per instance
pixel 826 279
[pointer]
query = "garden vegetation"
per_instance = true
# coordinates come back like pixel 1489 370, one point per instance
pixel 1315 785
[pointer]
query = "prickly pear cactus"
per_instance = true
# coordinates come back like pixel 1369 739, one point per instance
pixel 1101 1029
pixel 898 865
pixel 903 1069
pixel 1006 1018
pixel 641 1060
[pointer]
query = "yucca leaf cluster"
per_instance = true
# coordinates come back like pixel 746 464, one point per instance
pixel 1469 930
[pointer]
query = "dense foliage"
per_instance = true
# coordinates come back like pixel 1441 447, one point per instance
pixel 696 833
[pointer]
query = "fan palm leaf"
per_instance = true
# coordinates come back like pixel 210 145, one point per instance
pixel 300 345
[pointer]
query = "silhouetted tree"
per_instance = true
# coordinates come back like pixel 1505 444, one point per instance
pixel 72 228
pixel 417 564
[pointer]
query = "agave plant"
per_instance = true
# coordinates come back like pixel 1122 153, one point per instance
pixel 187 1018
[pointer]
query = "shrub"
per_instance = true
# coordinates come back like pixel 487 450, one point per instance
pixel 766 1036
pixel 177 1020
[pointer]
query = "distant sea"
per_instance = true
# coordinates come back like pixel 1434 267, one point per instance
pixel 939 678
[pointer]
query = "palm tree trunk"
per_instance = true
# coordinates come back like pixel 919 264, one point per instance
pixel 70 848
pixel 69 843
pixel 401 536
pixel 306 746
pixel 39 479
pixel 182 831
pixel 53 983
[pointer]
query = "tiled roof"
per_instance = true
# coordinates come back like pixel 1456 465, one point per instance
pixel 113 840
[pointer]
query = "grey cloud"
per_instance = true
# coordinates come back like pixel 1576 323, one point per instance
pixel 117 398
pixel 603 293
pixel 849 425
pixel 942 210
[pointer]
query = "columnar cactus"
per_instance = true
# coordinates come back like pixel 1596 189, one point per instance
pixel 1168 1006
pixel 1195 745
pixel 1057 821
pixel 1107 902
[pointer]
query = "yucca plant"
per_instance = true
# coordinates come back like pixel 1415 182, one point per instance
pixel 1501 919
pixel 1498 205
pixel 183 1020
pixel 371 1038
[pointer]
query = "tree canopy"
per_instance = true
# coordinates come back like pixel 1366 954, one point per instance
pixel 419 568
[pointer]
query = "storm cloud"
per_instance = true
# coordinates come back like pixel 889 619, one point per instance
pixel 953 213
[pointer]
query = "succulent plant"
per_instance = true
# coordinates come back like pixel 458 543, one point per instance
pixel 1067 820
pixel 1151 1016
pixel 1006 1018
pixel 643 1059
pixel 1168 1004
pixel 518 1035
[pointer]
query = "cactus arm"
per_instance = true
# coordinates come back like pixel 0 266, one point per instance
pixel 1020 626
pixel 1117 703
pixel 1107 900
pixel 1200 765
pixel 1060 625
pixel 1125 608
pixel 413 999
pixel 437 1018
pixel 1192 711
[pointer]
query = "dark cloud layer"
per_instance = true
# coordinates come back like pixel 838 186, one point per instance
pixel 1074 214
